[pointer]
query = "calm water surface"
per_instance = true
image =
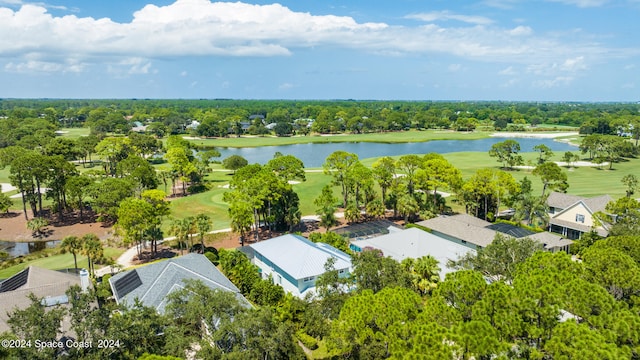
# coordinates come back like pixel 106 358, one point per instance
pixel 16 249
pixel 313 155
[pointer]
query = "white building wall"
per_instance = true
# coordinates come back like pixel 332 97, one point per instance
pixel 277 278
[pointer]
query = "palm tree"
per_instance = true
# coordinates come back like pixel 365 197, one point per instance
pixel 180 229
pixel 73 245
pixel 92 248
pixel 424 273
pixel 203 226
pixel 375 208
pixel 188 226
pixel 532 209
pixel 36 225
pixel 408 207
pixel 154 234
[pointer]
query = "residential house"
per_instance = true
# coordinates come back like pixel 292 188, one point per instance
pixel 295 263
pixel 476 233
pixel 151 283
pixel 193 125
pixel 138 127
pixel 572 215
pixel 414 243
pixel 50 285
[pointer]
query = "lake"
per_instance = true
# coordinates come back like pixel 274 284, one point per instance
pixel 313 155
pixel 16 249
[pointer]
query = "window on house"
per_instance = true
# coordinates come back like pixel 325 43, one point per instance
pixel 307 279
pixel 341 271
pixel 580 218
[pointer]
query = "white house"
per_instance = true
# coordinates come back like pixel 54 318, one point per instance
pixel 414 243
pixel 295 263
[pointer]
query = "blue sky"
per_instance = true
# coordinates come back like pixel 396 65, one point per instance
pixel 545 50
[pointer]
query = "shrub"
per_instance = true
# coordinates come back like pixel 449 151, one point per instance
pixel 213 257
pixel 309 342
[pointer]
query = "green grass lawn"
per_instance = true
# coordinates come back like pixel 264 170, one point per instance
pixel 74 133
pixel 211 203
pixel 388 137
pixel 56 262
pixel 583 181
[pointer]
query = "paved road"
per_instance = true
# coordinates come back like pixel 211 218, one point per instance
pixel 126 259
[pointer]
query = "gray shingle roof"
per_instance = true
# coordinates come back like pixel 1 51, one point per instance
pixel 415 243
pixel 159 279
pixel 562 200
pixel 598 203
pixel 43 283
pixel 549 240
pixel 300 257
pixel 462 227
pixel 466 227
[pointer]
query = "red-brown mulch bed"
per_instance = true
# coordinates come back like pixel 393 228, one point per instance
pixel 13 227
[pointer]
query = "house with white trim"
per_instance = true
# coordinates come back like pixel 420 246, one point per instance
pixel 571 216
pixel 295 263
pixel 151 284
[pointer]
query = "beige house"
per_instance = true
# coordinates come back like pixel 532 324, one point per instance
pixel 476 233
pixel 572 215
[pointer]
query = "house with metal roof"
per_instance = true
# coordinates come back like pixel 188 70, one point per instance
pixel 295 263
pixel 414 243
pixel 50 285
pixel 572 215
pixel 476 233
pixel 151 284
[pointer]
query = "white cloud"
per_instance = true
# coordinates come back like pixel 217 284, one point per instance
pixel 582 3
pixel 286 86
pixel 447 15
pixel 521 31
pixel 35 66
pixel 131 66
pixel 555 82
pixel 202 28
pixel 570 65
pixel 574 64
pixel 509 83
pixel 500 4
pixel 508 71
pixel 184 73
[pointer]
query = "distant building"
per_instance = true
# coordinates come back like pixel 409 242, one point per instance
pixel 193 125
pixel 477 233
pixel 295 263
pixel 152 283
pixel 572 215
pixel 414 243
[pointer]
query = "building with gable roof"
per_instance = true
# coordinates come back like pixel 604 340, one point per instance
pixel 572 215
pixel 151 284
pixel 477 233
pixel 295 263
pixel 50 285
